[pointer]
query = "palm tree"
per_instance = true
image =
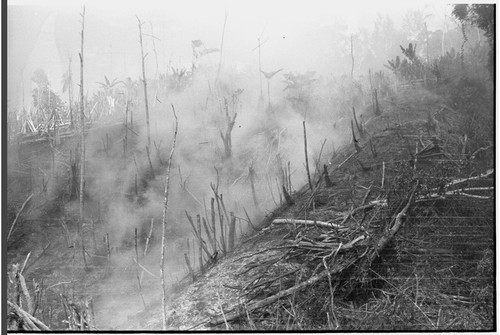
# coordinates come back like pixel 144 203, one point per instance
pixel 269 76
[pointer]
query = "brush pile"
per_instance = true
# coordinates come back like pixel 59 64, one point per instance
pixel 392 198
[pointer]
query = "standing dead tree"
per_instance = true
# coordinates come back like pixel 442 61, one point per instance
pixel 82 152
pixel 226 139
pixel 307 159
pixel 164 224
pixel 144 81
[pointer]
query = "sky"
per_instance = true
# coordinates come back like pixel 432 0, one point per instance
pixel 290 30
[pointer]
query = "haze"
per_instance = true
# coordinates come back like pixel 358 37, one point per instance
pixel 297 36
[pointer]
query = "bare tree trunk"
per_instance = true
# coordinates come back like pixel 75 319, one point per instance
pixel 307 159
pixel 164 224
pixel 144 83
pixel 82 152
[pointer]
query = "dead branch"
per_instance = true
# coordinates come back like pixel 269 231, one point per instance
pixel 478 151
pixel 384 240
pixel 18 214
pixel 308 223
pixel 146 270
pixel 347 159
pixel 459 181
pixel 33 322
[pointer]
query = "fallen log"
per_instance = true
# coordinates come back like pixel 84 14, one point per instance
pixel 384 240
pixel 308 223
pixel 33 322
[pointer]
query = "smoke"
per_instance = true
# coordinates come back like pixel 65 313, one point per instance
pixel 128 185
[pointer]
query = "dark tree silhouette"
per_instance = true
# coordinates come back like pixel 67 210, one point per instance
pixel 481 16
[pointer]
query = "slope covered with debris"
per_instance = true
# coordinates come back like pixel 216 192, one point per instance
pixel 396 233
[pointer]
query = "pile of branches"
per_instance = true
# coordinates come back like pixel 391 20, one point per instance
pixel 341 252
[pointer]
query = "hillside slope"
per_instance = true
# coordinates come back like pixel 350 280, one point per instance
pixel 401 237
